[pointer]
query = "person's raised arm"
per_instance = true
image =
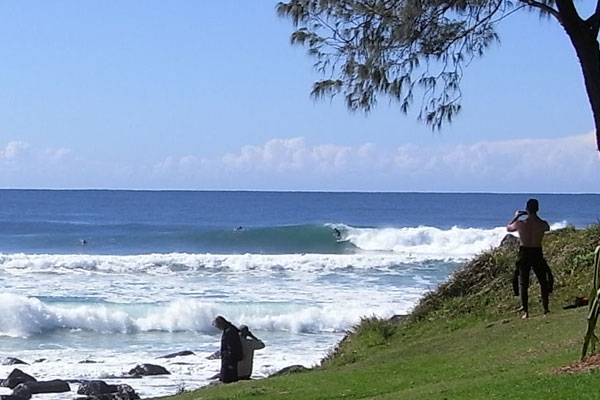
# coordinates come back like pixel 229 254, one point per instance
pixel 255 342
pixel 546 226
pixel 513 224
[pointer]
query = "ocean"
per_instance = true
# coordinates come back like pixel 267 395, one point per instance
pixel 96 282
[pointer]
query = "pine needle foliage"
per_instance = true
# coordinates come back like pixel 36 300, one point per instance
pixel 417 50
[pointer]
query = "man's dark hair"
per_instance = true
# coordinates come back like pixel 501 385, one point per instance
pixel 532 205
pixel 221 323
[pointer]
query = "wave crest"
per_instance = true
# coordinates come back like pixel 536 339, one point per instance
pixel 426 242
pixel 22 316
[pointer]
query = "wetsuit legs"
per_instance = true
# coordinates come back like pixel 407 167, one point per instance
pixel 542 275
pixel 532 258
pixel 549 277
pixel 524 283
pixel 515 280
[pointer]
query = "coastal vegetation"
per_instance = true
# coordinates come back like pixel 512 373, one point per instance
pixel 464 340
pixel 411 50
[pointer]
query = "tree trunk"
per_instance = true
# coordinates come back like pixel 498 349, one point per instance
pixel 584 37
pixel 588 51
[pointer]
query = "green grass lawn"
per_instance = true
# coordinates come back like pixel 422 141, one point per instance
pixel 464 341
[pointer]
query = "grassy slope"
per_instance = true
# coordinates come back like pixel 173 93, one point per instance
pixel 464 341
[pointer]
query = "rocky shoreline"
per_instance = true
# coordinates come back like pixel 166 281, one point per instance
pixel 25 386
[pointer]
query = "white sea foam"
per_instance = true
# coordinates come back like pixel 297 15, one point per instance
pixel 428 243
pixel 558 225
pixel 176 263
pixel 22 316
pixel 425 242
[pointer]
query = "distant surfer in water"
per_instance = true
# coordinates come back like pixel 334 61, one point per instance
pixel 337 233
pixel 531 233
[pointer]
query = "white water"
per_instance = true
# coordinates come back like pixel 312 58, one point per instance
pixel 123 310
pixel 22 316
pixel 129 310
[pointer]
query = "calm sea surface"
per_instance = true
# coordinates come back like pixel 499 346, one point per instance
pixel 123 277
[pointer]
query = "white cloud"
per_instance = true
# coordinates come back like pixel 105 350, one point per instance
pixel 543 159
pixel 57 155
pixel 568 164
pixel 13 150
pixel 20 152
pixel 513 165
pixel 283 155
pixel 275 155
pixel 27 166
pixel 172 165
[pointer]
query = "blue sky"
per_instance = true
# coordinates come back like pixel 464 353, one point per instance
pixel 210 95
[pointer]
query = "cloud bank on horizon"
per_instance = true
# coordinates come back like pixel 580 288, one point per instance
pixel 567 164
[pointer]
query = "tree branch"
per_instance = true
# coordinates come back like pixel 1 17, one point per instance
pixel 477 24
pixel 568 13
pixel 543 7
pixel 593 22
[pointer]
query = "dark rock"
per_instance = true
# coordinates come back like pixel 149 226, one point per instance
pixel 148 370
pixel 22 391
pixel 87 362
pixel 214 356
pixel 39 360
pixel 116 392
pixel 53 386
pixel 15 378
pixel 398 318
pixel 13 361
pixel 10 397
pixel 509 240
pixel 126 392
pixel 94 388
pixel 179 354
pixel 292 369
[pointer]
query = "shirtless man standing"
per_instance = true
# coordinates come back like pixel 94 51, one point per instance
pixel 531 232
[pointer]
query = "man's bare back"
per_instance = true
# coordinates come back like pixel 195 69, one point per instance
pixel 531 230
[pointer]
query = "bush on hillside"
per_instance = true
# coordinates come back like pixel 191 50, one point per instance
pixel 484 285
pixel 482 289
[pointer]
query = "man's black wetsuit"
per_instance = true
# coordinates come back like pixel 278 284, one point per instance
pixel 532 257
pixel 231 354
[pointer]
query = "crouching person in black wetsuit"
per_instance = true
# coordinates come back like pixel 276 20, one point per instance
pixel 231 350
pixel 531 232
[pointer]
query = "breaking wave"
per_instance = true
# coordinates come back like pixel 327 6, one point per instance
pixel 22 316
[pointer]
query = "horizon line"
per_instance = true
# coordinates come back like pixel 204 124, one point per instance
pixel 293 191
